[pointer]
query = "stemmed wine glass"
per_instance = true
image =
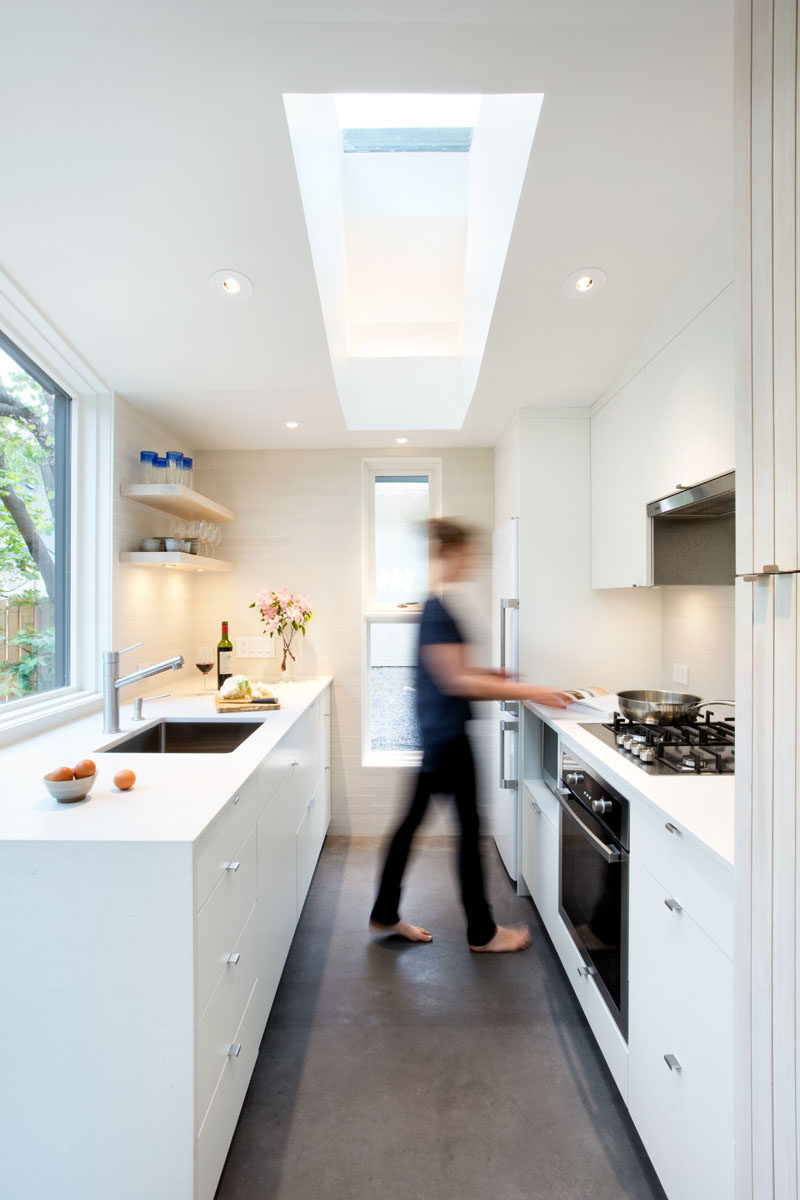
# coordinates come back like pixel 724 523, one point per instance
pixel 204 662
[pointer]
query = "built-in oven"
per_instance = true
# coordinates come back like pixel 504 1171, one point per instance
pixel 593 879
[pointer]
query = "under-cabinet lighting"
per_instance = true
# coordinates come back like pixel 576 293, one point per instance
pixel 401 441
pixel 292 424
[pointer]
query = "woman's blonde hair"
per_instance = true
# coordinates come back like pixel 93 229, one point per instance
pixel 445 534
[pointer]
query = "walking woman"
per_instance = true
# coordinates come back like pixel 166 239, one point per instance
pixel 445 686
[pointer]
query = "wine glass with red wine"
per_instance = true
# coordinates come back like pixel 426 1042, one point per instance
pixel 204 662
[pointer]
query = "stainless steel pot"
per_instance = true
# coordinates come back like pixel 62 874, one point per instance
pixel 654 707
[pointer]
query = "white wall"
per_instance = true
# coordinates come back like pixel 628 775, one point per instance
pixel 151 604
pixel 299 525
pixel 698 630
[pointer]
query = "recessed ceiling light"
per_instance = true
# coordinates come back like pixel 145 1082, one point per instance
pixel 232 284
pixel 292 424
pixel 585 282
pixel 401 441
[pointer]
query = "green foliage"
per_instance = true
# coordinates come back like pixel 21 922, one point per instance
pixel 35 669
pixel 26 468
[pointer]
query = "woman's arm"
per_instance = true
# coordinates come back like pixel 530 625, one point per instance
pixel 447 666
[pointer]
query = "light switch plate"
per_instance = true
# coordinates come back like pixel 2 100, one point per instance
pixel 680 673
pixel 255 647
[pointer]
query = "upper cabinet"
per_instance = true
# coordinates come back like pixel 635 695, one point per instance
pixel 670 426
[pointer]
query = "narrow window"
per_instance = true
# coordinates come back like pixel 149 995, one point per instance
pixel 400 497
pixel 34 529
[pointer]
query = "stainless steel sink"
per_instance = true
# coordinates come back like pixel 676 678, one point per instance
pixel 185 737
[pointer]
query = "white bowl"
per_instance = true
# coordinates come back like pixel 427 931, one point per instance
pixel 174 543
pixel 68 790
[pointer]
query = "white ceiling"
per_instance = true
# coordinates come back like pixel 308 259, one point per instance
pixel 143 152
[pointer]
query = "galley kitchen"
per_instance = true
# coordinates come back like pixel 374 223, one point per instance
pixel 279 287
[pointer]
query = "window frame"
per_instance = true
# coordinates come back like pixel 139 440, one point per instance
pixel 62 513
pixel 90 483
pixel 383 612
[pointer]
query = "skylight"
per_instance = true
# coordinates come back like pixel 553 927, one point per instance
pixel 409 202
pixel 432 139
pixel 406 110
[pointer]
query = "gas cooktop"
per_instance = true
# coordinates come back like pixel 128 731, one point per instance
pixel 696 747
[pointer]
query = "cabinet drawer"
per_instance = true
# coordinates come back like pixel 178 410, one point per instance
pixel 681 1000
pixel 304 744
pixel 539 857
pixel 222 1017
pixel 214 1137
pixel 218 844
pixel 221 918
pixel 691 1157
pixel 272 773
pixel 689 873
pixel 607 1035
pixel 310 836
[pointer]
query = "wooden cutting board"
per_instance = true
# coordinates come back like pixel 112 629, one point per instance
pixel 239 706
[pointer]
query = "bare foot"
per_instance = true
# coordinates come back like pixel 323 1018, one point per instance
pixel 412 933
pixel 506 938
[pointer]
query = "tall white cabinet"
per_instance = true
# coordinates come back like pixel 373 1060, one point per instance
pixel 768 601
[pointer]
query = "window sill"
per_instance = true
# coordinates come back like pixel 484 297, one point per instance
pixel 47 714
pixel 394 759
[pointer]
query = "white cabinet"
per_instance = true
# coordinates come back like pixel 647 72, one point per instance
pixel 539 848
pixel 680 1069
pixel 151 969
pixel 621 456
pixel 671 424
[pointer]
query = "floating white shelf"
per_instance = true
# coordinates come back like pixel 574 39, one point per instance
pixel 174 559
pixel 177 500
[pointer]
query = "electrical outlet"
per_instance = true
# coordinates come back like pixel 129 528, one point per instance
pixel 255 647
pixel 680 673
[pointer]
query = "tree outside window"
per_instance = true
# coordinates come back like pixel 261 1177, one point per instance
pixel 34 454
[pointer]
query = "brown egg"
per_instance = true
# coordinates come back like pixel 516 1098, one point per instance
pixel 84 768
pixel 60 775
pixel 124 780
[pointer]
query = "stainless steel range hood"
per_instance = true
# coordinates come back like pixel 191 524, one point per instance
pixel 693 534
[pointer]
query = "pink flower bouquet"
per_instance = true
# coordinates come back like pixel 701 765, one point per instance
pixel 284 613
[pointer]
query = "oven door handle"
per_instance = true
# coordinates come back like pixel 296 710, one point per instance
pixel 609 853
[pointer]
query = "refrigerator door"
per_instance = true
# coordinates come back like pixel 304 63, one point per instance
pixel 505 655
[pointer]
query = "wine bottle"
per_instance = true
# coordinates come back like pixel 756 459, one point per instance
pixel 224 656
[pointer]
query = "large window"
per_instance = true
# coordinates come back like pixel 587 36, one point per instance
pixel 34 529
pixel 400 497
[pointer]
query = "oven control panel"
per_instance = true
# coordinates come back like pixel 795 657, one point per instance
pixel 598 797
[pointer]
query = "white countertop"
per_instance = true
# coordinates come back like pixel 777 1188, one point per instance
pixel 702 806
pixel 175 795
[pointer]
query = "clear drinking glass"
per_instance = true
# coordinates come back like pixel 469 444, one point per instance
pixel 204 662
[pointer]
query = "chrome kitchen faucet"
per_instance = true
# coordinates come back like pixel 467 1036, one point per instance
pixel 112 682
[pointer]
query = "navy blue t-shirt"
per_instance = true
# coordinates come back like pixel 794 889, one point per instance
pixel 441 717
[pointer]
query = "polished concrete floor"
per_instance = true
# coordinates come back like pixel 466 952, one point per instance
pixel 406 1072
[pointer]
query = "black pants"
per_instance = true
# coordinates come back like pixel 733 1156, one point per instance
pixel 451 774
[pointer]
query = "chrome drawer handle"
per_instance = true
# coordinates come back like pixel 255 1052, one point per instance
pixel 670 828
pixel 233 958
pixel 232 866
pixel 535 807
pixel 294 764
pixel 673 906
pixel 310 804
pixel 585 972
pixel 234 1050
pixel 672 1062
pixel 236 799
